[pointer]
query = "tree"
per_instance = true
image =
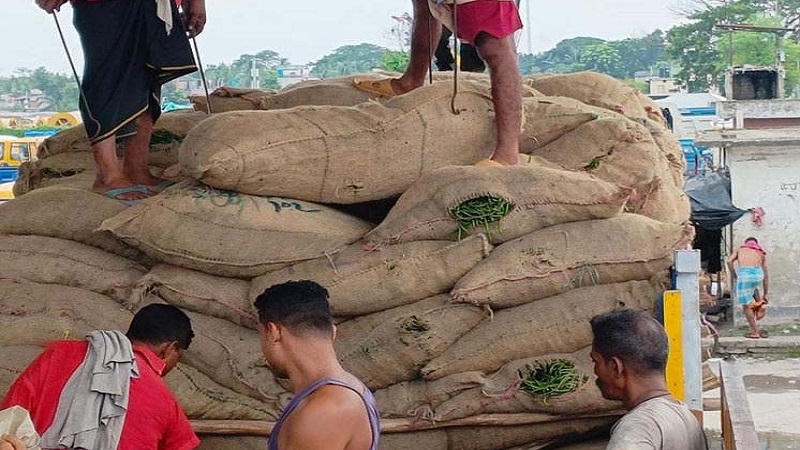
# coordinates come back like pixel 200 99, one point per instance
pixel 394 61
pixel 348 60
pixel 602 57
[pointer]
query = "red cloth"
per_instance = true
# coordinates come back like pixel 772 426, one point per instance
pixel 753 245
pixel 154 420
pixel 177 2
pixel 497 18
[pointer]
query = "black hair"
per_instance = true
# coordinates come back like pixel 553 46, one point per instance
pixel 159 323
pixel 634 337
pixel 751 239
pixel 301 306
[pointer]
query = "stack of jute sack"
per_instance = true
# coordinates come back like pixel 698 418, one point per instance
pixel 465 308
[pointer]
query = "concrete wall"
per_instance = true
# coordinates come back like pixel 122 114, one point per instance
pixel 769 177
pixel 759 109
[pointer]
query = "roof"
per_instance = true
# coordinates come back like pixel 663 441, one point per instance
pixel 693 100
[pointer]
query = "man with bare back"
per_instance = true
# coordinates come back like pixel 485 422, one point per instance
pixel 331 408
pixel 749 272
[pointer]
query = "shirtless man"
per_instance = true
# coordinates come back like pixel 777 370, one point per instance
pixel 750 273
pixel 331 408
pixel 490 26
pixel 629 351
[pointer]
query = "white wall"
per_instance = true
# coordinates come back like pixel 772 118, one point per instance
pixel 769 177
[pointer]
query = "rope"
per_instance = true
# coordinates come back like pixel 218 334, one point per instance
pixel 457 55
pixel 74 71
pixel 202 75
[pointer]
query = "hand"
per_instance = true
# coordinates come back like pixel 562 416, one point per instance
pixel 11 443
pixel 50 5
pixel 194 16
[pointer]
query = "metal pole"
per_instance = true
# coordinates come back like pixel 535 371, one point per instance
pixel 687 267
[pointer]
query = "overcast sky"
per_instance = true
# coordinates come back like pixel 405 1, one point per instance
pixel 305 30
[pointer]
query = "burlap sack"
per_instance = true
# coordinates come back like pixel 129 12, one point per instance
pixel 231 356
pixel 541 197
pixel 558 324
pixel 66 213
pixel 669 145
pixel 37 314
pixel 362 281
pixel 225 298
pixel 228 98
pixel 594 89
pixel 333 154
pixel 201 398
pixel 472 393
pixel 168 131
pixel 616 150
pixel 404 340
pixel 501 392
pixel 563 257
pixel 229 234
pixel 56 261
pixel 497 437
pixel 43 171
pixel 664 202
pixel 31 178
pixel 13 361
pixel 548 118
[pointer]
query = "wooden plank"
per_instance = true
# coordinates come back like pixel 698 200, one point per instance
pixel 738 428
pixel 263 428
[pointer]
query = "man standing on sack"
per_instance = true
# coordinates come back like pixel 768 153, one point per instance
pixel 131 48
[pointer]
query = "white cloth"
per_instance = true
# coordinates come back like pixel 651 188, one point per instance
pixel 16 421
pixel 164 12
pixel 657 424
pixel 92 407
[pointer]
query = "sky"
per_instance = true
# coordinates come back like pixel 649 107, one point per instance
pixel 305 30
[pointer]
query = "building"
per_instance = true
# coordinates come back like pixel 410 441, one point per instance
pixel 288 75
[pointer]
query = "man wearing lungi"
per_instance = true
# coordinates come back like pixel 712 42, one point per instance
pixel 749 275
pixel 131 48
pixel 487 24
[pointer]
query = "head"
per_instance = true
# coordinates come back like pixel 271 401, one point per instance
pixel 291 312
pixel 165 329
pixel 751 239
pixel 628 346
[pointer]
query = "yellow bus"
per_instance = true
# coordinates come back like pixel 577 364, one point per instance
pixel 18 150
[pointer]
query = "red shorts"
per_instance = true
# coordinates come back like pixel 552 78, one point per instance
pixel 496 18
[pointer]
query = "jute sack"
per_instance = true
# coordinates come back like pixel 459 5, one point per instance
pixel 30 179
pixel 228 234
pixel 504 391
pixel 66 213
pixel 664 202
pixel 669 145
pixel 616 150
pixel 548 118
pixel 225 298
pixel 231 356
pixel 497 436
pixel 592 88
pixel 37 314
pixel 36 174
pixel 405 340
pixel 13 361
pixel 333 154
pixel 558 324
pixel 473 393
pixel 48 260
pixel 567 256
pixel 168 130
pixel 202 398
pixel 525 198
pixel 362 281
pixel 227 98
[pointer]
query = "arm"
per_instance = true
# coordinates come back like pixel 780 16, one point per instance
pixel 11 443
pixel 766 278
pixel 195 16
pixel 731 260
pixel 50 5
pixel 326 422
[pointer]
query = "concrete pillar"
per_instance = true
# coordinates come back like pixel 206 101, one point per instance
pixel 687 268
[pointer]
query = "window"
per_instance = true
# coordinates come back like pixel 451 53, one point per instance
pixel 20 151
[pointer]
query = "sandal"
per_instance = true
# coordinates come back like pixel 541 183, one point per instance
pixel 379 88
pixel 752 336
pixel 116 192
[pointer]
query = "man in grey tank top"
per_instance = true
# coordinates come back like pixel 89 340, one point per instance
pixel 629 351
pixel 331 408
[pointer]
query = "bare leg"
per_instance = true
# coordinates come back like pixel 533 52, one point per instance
pixel 751 320
pixel 423 42
pixel 137 153
pixel 109 173
pixel 501 57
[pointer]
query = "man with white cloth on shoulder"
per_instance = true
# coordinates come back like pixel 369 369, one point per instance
pixel 107 392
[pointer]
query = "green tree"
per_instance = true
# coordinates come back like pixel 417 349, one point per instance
pixel 395 61
pixel 348 60
pixel 602 57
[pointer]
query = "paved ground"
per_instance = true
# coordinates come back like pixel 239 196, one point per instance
pixel 771 372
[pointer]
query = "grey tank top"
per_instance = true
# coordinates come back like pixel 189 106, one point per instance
pixel 366 396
